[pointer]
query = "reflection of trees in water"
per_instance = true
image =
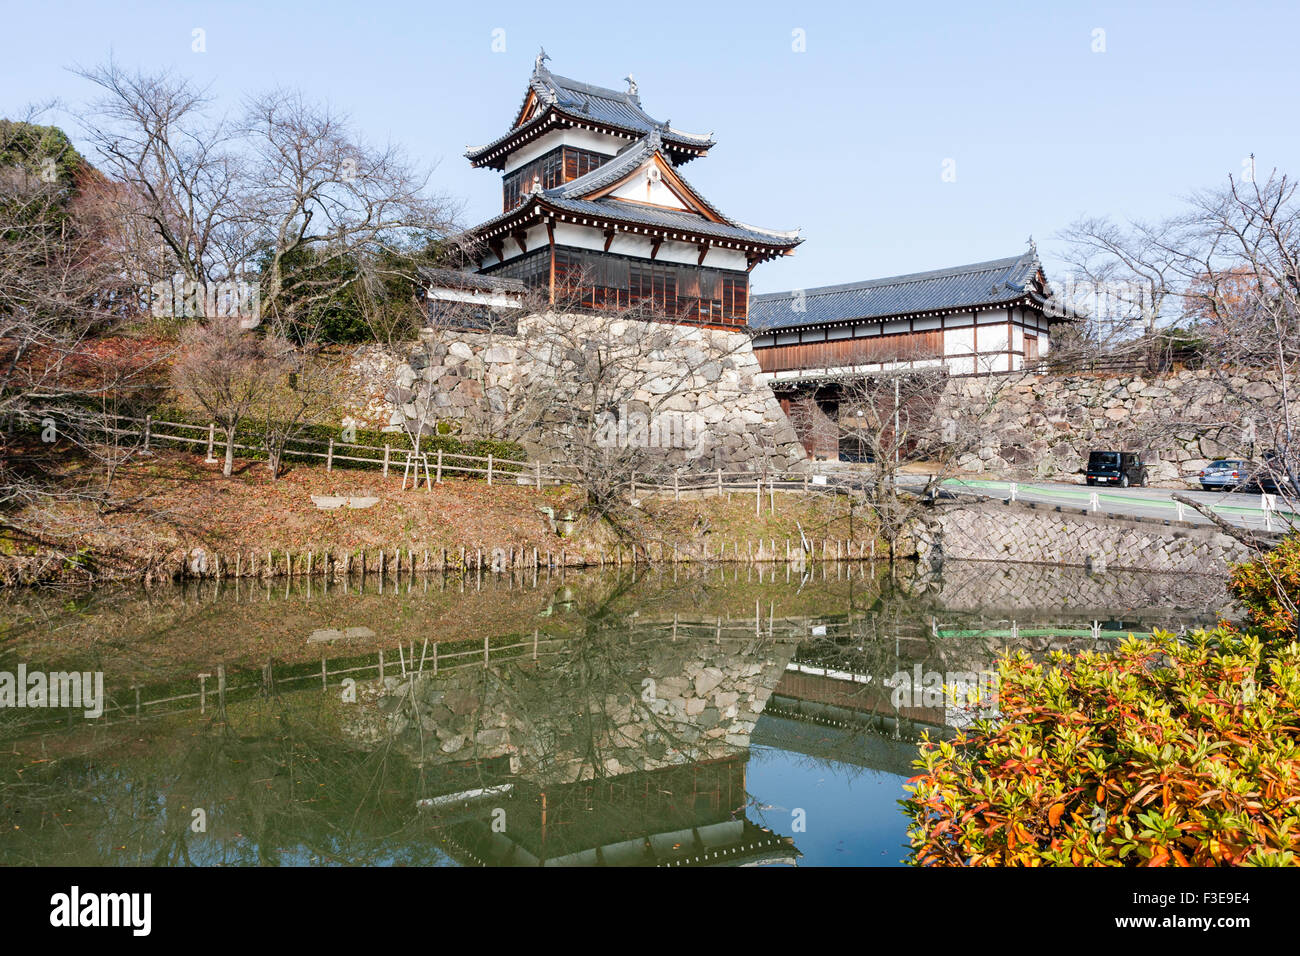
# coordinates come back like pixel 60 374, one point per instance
pixel 276 783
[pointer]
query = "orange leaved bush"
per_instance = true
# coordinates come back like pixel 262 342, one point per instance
pixel 1269 589
pixel 1164 752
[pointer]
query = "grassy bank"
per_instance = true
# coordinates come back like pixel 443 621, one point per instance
pixel 173 503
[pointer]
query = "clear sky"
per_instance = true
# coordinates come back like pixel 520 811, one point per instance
pixel 1043 118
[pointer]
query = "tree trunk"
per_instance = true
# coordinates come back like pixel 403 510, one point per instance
pixel 228 468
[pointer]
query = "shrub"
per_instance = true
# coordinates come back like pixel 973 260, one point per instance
pixel 1269 589
pixel 1161 753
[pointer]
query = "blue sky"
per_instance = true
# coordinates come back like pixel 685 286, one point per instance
pixel 846 139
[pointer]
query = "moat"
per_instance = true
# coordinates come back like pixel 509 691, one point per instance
pixel 738 715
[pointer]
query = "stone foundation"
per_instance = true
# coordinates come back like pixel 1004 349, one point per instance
pixel 1043 426
pixel 694 396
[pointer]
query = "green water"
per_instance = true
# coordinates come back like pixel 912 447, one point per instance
pixel 724 716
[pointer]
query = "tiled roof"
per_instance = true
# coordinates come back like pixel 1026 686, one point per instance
pixel 672 219
pixel 583 101
pixel 471 281
pixel 572 196
pixel 960 287
pixel 604 105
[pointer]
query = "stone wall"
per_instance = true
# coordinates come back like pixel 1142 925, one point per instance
pixel 1015 533
pixel 597 706
pixel 1018 589
pixel 368 381
pixel 702 385
pixel 1043 426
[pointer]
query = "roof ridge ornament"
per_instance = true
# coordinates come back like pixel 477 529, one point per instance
pixel 542 57
pixel 631 85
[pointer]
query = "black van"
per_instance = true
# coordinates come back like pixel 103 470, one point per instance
pixel 1122 468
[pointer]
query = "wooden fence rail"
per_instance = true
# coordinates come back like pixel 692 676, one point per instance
pixel 214 690
pixel 430 467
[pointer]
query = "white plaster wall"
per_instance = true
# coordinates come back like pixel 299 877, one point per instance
pixel 992 338
pixel 959 341
pixel 640 189
pixel 534 237
pixel 581 138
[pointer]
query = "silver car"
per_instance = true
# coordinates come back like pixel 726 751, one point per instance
pixel 1225 474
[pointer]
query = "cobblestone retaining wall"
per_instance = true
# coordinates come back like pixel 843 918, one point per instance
pixel 1043 426
pixel 996 532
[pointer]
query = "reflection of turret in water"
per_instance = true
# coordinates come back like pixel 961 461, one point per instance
pixel 685 815
pixel 617 747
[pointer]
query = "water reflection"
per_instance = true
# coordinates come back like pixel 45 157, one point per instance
pixel 657 718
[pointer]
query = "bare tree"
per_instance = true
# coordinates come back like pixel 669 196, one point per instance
pixel 1241 275
pixel 908 440
pixel 621 399
pixel 1123 279
pixel 302 391
pixel 181 173
pixel 289 197
pixel 315 186
pixel 62 291
pixel 1225 271
pixel 626 399
pixel 228 372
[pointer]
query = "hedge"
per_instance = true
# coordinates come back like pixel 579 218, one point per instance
pixel 1163 753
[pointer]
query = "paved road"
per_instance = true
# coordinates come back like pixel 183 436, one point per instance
pixel 1241 508
pixel 1245 509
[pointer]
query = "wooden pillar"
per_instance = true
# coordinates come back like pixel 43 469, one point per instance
pixel 550 237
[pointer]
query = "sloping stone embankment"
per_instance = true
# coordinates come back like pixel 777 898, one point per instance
pixel 995 532
pixel 697 399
